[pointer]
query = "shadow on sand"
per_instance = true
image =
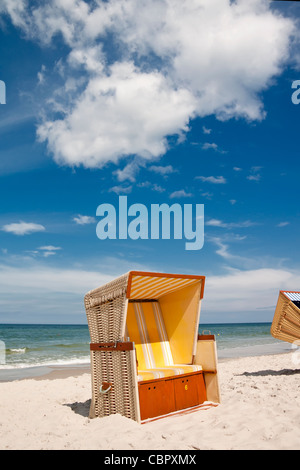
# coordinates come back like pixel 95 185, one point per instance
pixel 80 408
pixel 272 372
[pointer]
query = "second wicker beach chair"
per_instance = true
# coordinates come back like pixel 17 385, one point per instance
pixel 286 321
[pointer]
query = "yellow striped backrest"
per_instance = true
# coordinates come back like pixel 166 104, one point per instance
pixel 145 326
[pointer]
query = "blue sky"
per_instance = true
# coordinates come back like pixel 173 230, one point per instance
pixel 183 102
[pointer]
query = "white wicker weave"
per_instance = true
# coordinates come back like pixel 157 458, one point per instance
pixel 106 311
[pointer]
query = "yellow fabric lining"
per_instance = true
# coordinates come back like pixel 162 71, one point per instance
pixel 147 312
pixel 180 311
pixel 163 337
pixel 145 326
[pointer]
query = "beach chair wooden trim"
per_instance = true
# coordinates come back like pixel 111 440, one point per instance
pixel 206 337
pixel 117 346
pixel 118 369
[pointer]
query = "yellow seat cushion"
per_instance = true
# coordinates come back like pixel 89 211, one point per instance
pixel 150 374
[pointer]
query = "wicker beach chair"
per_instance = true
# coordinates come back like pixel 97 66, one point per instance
pixel 286 321
pixel 147 359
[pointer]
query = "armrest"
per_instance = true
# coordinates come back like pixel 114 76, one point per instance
pixel 206 353
pixel 117 346
pixel 206 356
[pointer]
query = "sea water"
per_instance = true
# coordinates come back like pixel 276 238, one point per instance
pixel 36 345
pixel 29 346
pixel 244 339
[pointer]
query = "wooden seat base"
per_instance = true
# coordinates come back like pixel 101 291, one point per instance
pixel 166 395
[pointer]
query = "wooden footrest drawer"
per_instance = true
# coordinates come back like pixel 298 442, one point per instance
pixel 163 396
pixel 156 398
pixel 189 391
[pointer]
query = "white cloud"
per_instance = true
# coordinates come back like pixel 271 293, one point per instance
pixel 162 170
pixel 223 251
pixel 129 171
pixel 90 58
pixel 152 186
pixel 157 188
pixel 121 189
pixel 207 146
pixel 179 194
pixel 212 179
pixel 48 253
pixel 236 291
pixel 211 47
pixel 209 61
pixel 84 219
pixel 212 146
pixel 23 228
pixel 254 174
pixel 207 195
pixel 59 290
pixel 283 224
pixel 127 112
pixel 206 130
pixel 220 223
pixel 37 277
pixel 41 75
pixel 256 177
pixel 16 9
pixel 43 251
pixel 239 291
pixel 48 250
pixel 214 223
pixel 65 17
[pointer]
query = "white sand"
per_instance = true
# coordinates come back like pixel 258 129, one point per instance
pixel 260 410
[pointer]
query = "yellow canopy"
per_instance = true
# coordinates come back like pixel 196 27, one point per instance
pixel 147 285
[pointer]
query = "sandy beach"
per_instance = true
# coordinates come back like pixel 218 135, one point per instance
pixel 260 409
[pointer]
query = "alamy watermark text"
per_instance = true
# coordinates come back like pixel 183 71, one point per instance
pixel 2 92
pixel 296 93
pixel 160 221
